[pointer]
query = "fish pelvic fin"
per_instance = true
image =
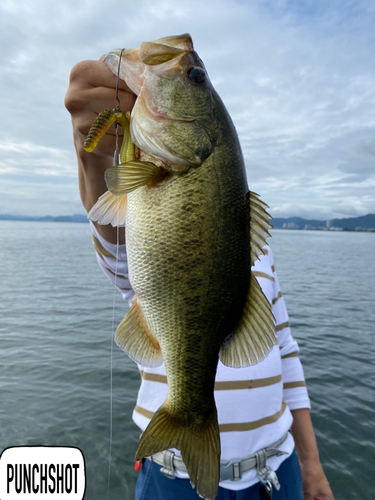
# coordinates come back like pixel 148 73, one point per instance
pixel 255 335
pixel 200 447
pixel 128 177
pixel 109 209
pixel 134 337
pixel 259 225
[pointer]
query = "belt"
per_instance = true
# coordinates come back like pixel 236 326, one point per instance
pixel 231 470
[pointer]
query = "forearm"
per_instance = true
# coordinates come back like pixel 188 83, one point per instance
pixel 304 437
pixel 315 483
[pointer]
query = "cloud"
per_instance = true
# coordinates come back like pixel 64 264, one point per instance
pixel 297 78
pixel 39 196
pixel 33 159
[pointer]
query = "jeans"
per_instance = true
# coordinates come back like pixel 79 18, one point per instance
pixel 152 485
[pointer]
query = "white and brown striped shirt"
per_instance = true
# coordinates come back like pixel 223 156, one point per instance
pixel 253 403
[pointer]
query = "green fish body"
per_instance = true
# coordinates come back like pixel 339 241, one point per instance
pixel 192 232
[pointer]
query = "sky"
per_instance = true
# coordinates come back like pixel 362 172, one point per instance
pixel 297 77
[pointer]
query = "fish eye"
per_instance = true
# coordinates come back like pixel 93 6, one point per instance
pixel 196 75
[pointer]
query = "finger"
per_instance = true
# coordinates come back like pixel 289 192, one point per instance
pixel 96 99
pixel 93 86
pixel 83 125
pixel 88 74
pixel 92 89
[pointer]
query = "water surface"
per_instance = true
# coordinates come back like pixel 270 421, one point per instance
pixel 55 345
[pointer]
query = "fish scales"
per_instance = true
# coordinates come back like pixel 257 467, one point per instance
pixel 192 231
pixel 185 264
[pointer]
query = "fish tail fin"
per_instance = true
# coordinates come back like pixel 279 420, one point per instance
pixel 200 447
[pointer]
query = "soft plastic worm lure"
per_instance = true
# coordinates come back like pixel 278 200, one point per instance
pixel 104 121
pixel 101 125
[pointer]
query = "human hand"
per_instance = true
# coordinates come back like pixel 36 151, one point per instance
pixel 315 483
pixel 92 88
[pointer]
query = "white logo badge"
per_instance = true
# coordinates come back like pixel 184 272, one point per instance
pixel 36 472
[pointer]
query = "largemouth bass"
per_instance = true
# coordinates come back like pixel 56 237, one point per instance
pixel 193 230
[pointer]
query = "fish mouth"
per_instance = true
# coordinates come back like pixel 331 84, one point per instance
pixel 129 68
pixel 149 119
pixel 167 51
pixel 134 61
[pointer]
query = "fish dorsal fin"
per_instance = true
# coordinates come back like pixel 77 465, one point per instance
pixel 135 338
pixel 255 335
pixel 127 177
pixel 259 225
pixel 109 209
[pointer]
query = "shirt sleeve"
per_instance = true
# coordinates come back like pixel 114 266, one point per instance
pixel 294 386
pixel 113 261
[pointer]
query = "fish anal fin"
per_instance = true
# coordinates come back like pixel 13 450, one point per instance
pixel 255 335
pixel 109 209
pixel 259 225
pixel 127 177
pixel 200 447
pixel 135 338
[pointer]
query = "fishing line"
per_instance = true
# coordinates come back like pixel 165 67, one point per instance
pixel 116 161
pixel 116 158
pixel 117 81
pixel 111 363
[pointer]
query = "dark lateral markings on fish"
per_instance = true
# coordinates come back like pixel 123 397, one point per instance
pixel 28 471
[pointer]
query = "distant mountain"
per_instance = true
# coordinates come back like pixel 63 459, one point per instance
pixel 364 222
pixel 47 218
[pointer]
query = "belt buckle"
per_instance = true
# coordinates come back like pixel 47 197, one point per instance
pixel 232 470
pixel 267 475
pixel 267 478
pixel 265 491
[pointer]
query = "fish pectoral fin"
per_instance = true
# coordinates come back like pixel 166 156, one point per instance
pixel 135 338
pixel 259 225
pixel 129 176
pixel 199 446
pixel 109 209
pixel 121 179
pixel 255 335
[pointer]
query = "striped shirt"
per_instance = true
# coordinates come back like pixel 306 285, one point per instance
pixel 253 403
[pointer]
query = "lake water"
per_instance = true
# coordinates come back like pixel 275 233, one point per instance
pixel 55 350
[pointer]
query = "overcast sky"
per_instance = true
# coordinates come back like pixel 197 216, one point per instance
pixel 297 76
